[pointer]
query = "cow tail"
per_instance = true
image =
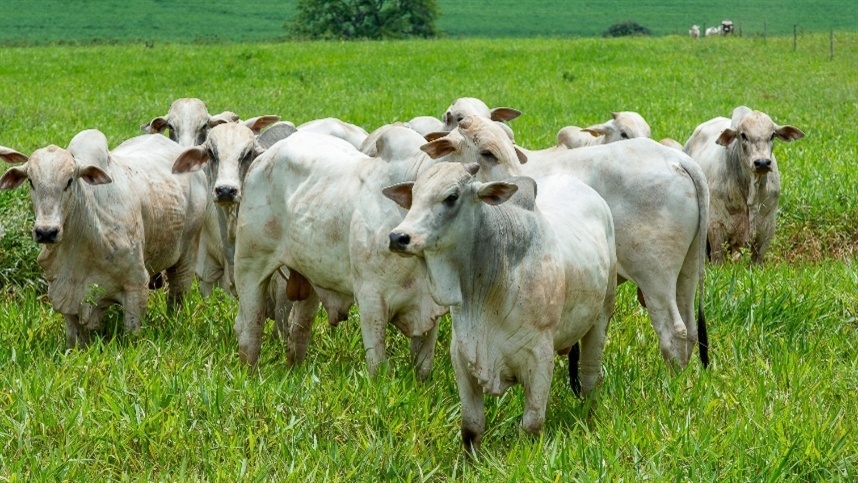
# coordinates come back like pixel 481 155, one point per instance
pixel 574 381
pixel 702 188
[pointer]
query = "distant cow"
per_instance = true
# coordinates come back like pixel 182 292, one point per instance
pixel 726 28
pixel 623 125
pixel 466 106
pixel 332 126
pixel 694 32
pixel 187 122
pixel 524 276
pixel 108 220
pixel 744 183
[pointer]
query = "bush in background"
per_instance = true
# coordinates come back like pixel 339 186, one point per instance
pixel 625 29
pixel 364 19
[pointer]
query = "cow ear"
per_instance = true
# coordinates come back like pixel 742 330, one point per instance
pixel 522 158
pixel 439 147
pixel 257 124
pixel 191 159
pixel 597 130
pixel 13 178
pixel 223 118
pixel 496 192
pixel 94 175
pixel 726 137
pixel 155 126
pixel 504 114
pixel 11 156
pixel 400 193
pixel 788 133
pixel 435 135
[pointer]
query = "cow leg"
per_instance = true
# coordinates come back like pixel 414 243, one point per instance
pixel 180 278
pixel 686 289
pixel 536 380
pixel 77 336
pixel 471 396
pixel 251 317
pixel 282 305
pixel 134 306
pixel 423 352
pixel 300 323
pixel 666 320
pixel 373 322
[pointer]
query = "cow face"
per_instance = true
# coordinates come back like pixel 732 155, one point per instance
pixel 53 176
pixel 479 140
pixel 755 133
pixel 624 125
pixel 228 152
pixel 467 106
pixel 188 122
pixel 442 206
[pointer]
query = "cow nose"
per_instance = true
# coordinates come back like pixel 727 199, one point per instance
pixel 225 193
pixel 399 241
pixel 46 234
pixel 763 164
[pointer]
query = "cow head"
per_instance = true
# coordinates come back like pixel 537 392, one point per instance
pixel 479 140
pixel 624 125
pixel 228 151
pixel 466 106
pixel 442 206
pixel 53 175
pixel 754 133
pixel 188 122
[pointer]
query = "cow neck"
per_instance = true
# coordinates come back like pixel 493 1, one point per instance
pixel 748 185
pixel 488 276
pixel 411 169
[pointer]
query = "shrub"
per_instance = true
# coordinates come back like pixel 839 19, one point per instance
pixel 364 19
pixel 625 29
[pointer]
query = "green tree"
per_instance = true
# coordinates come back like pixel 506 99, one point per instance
pixel 364 19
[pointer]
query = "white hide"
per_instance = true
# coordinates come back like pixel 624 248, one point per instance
pixel 744 181
pixel 332 126
pixel 523 281
pixel 313 203
pixel 119 216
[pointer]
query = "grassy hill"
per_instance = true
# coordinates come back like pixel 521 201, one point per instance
pixel 57 21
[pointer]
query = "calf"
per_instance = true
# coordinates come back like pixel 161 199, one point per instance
pixel 736 156
pixel 623 125
pixel 523 278
pixel 108 221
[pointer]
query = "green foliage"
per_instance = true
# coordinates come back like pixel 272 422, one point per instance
pixel 173 403
pixel 626 28
pixel 364 19
pixel 204 22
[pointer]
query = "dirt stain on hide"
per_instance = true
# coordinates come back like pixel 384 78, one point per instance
pixel 272 228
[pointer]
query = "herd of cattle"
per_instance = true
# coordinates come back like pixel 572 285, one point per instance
pixel 724 28
pixel 524 248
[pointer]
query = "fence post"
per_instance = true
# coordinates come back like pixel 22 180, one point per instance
pixel 794 37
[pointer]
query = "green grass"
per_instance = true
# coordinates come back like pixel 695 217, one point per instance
pixel 52 21
pixel 173 403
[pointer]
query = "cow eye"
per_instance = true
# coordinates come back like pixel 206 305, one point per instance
pixel 744 138
pixel 68 185
pixel 459 119
pixel 451 200
pixel 624 135
pixel 31 183
pixel 773 137
pixel 489 156
pixel 248 157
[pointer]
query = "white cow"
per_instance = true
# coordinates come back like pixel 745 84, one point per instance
pixel 671 143
pixel 694 32
pixel 187 122
pixel 623 125
pixel 332 126
pixel 524 278
pixel 108 220
pixel 313 203
pixel 659 200
pixel 425 125
pixel 466 106
pixel 744 183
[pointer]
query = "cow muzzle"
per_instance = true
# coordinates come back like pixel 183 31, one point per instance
pixel 403 244
pixel 47 234
pixel 762 165
pixel 226 195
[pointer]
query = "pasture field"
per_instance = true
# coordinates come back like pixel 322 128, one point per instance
pixel 173 402
pixel 27 22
